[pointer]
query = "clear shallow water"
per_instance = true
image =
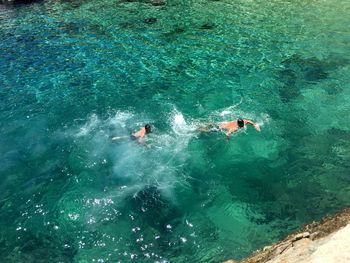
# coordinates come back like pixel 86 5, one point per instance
pixel 75 73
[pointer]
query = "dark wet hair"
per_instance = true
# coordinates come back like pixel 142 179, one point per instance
pixel 240 123
pixel 148 128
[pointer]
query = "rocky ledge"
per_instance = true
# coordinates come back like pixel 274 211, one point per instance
pixel 325 241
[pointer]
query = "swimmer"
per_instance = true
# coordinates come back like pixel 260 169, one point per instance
pixel 136 135
pixel 229 126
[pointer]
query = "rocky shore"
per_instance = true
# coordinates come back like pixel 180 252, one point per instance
pixel 325 241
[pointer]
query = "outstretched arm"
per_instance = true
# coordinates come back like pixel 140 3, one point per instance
pixel 229 132
pixel 205 127
pixel 255 125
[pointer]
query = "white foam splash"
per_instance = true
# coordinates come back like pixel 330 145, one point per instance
pixel 92 123
pixel 120 119
pixel 179 124
pixel 159 165
pixel 231 109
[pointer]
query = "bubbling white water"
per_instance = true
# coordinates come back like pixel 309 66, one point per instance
pixel 92 123
pixel 134 166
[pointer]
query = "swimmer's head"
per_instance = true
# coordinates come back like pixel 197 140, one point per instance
pixel 148 128
pixel 240 123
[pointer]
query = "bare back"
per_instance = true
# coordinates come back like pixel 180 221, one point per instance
pixel 140 134
pixel 229 125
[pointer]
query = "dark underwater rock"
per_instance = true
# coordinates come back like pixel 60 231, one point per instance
pixel 315 74
pixel 288 76
pixel 288 90
pixel 70 28
pixel 153 208
pixel 127 25
pixel 300 72
pixel 42 247
pixel 150 20
pixel 208 25
pixel 151 2
pixel 307 69
pixel 72 4
pixel 19 2
pixel 173 34
pixel 98 30
pixel 341 134
pixel 178 30
pixel 157 2
pixel 331 63
pixel 313 69
pixel 25 1
pixel 288 93
pixel 333 89
pixel 129 1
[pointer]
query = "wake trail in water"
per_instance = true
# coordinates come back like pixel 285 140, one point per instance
pixel 133 166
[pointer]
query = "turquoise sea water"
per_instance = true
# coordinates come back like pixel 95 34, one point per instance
pixel 75 73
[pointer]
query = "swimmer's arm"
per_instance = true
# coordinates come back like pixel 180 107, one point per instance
pixel 230 131
pixel 142 142
pixel 205 127
pixel 255 125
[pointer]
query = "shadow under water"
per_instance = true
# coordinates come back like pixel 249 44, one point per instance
pixel 300 73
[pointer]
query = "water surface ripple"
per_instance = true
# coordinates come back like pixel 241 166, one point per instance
pixel 75 73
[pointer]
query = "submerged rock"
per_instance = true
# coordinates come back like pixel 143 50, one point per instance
pixel 208 25
pixel 127 25
pixel 18 2
pixel 128 1
pixel 71 28
pixel 308 69
pixel 151 2
pixel 173 34
pixel 154 209
pixel 300 72
pixel 313 69
pixel 72 4
pixel 288 76
pixel 150 20
pixel 178 30
pixel 157 2
pixel 288 92
pixel 98 30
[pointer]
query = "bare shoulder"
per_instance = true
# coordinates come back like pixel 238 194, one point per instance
pixel 248 121
pixel 256 126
